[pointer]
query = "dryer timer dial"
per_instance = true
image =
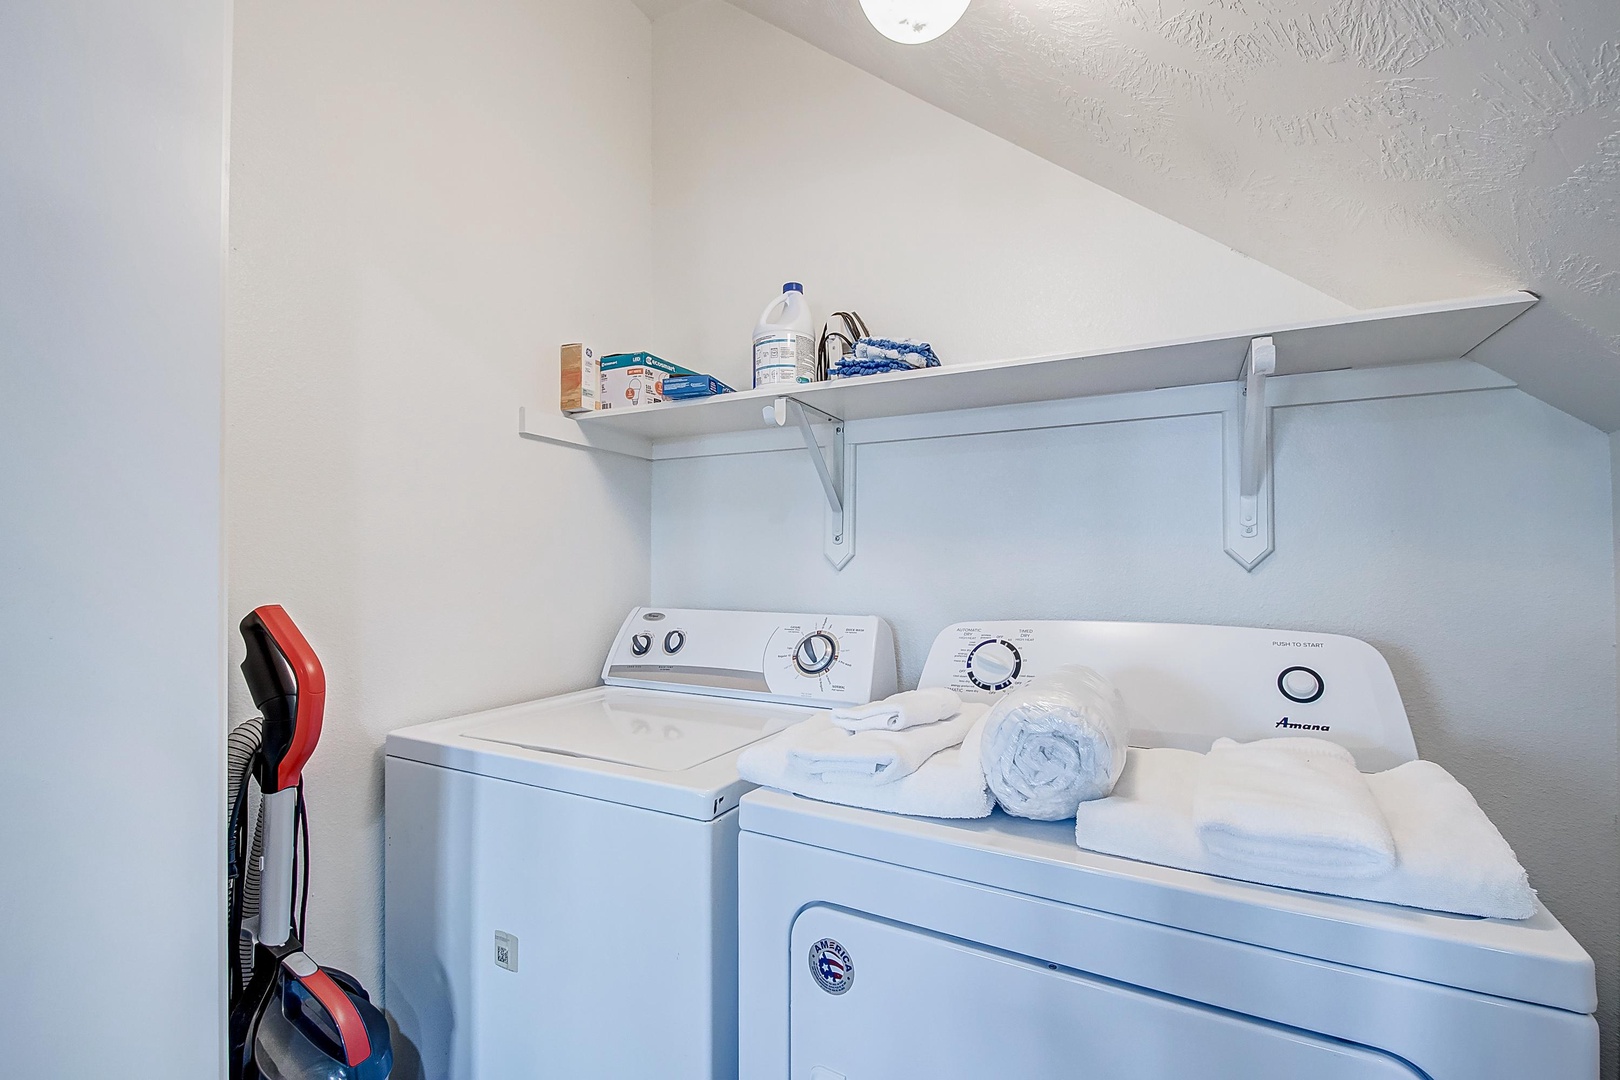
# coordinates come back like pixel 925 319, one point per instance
pixel 993 664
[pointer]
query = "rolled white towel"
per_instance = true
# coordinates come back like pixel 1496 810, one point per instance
pixel 948 785
pixel 819 750
pixel 900 711
pixel 1055 743
pixel 1291 804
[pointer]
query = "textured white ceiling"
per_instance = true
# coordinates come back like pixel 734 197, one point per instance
pixel 1384 151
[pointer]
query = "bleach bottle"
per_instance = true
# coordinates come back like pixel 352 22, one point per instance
pixel 785 340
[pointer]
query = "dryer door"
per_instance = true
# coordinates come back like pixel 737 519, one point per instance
pixel 873 1000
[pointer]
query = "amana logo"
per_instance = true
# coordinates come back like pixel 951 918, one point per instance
pixel 1291 726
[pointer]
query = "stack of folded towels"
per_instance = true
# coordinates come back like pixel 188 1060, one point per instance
pixel 913 753
pixel 1296 813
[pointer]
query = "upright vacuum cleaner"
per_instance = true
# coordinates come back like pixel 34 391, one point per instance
pixel 290 1018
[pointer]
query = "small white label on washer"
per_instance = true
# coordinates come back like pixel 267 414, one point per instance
pixel 506 950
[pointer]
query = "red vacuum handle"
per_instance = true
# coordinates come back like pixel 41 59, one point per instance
pixel 288 685
pixel 351 1028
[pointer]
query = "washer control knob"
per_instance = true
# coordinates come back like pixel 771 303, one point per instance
pixel 640 643
pixel 815 653
pixel 1300 684
pixel 674 640
pixel 994 664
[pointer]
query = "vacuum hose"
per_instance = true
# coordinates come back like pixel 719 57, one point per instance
pixel 241 749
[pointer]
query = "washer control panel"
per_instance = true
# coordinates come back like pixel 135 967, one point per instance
pixel 816 653
pixel 766 656
pixel 1187 686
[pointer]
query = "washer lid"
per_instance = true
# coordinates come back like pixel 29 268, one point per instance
pixel 671 752
pixel 660 732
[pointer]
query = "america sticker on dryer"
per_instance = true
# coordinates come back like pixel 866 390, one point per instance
pixel 831 966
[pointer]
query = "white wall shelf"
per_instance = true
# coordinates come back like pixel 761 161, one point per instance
pixel 1390 352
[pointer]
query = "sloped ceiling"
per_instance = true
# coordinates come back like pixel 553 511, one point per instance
pixel 1384 151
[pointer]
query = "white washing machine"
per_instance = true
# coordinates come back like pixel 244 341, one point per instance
pixel 560 879
pixel 999 948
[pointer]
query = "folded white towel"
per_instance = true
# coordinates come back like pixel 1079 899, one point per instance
pixel 897 712
pixel 1455 858
pixel 819 750
pixel 1448 855
pixel 949 785
pixel 1291 804
pixel 1054 743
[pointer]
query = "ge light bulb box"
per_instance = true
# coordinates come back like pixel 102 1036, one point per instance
pixel 635 379
pixel 581 379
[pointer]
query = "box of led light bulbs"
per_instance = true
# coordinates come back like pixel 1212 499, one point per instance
pixel 581 379
pixel 635 379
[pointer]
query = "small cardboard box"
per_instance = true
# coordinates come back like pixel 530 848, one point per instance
pixel 581 379
pixel 681 387
pixel 635 379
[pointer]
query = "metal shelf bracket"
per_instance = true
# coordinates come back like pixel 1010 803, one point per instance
pixel 837 476
pixel 1247 460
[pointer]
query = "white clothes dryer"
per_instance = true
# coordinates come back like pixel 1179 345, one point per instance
pixel 878 946
pixel 560 878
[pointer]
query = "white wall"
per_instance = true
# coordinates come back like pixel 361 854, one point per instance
pixel 112 164
pixel 426 200
pixel 944 232
pixel 1469 537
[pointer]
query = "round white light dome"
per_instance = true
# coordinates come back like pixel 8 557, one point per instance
pixel 912 22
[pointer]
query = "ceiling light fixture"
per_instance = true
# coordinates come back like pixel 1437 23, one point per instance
pixel 912 22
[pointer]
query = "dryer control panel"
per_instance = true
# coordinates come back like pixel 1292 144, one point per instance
pixel 1187 686
pixel 763 656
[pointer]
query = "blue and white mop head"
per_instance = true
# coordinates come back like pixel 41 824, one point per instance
pixel 878 356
